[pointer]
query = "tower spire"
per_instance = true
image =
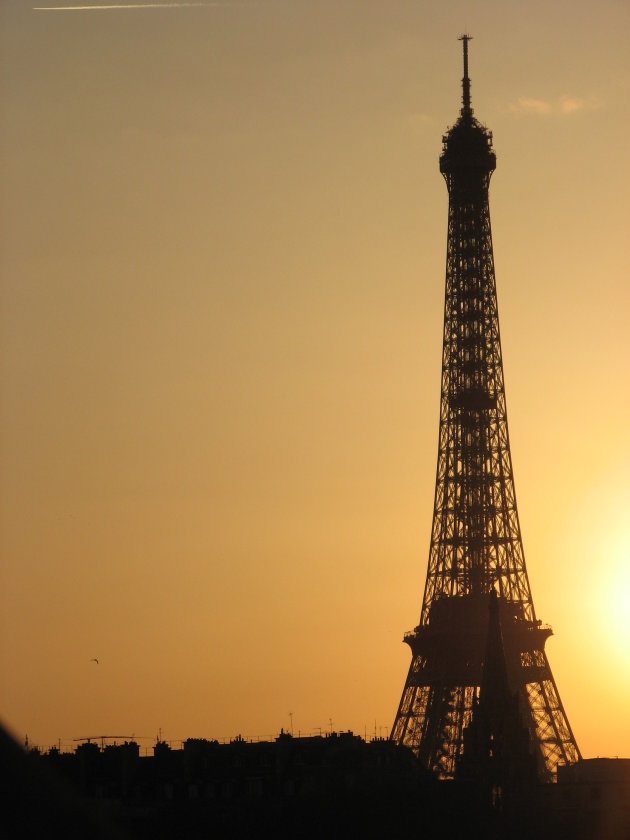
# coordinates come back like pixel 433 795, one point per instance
pixel 466 109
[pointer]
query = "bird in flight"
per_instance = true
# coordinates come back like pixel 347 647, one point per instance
pixel 94 660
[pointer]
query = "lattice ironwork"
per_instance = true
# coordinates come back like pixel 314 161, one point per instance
pixel 476 544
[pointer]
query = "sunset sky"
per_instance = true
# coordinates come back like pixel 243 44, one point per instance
pixel 222 254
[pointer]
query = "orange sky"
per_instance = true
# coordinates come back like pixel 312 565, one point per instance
pixel 222 239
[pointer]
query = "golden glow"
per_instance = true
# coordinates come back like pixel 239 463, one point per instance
pixel 222 243
pixel 618 594
pixel 606 533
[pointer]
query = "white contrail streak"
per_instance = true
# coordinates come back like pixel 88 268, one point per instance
pixel 124 6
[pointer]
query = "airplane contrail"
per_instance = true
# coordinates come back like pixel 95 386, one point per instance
pixel 111 6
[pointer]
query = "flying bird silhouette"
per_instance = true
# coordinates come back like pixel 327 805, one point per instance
pixel 94 660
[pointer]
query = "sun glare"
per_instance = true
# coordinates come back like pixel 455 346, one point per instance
pixel 613 600
pixel 600 545
pixel 619 592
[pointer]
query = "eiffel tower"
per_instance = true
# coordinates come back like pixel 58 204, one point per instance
pixel 476 544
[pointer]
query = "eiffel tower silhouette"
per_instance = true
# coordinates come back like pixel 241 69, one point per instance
pixel 476 546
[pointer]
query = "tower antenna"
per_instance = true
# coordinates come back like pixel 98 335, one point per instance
pixel 466 109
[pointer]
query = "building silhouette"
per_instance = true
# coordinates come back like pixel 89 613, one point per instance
pixel 335 785
pixel 476 547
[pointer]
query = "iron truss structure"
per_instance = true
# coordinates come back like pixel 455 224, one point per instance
pixel 476 544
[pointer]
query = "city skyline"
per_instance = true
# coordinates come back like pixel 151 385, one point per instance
pixel 223 236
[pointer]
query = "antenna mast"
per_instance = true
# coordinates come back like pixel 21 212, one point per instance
pixel 466 109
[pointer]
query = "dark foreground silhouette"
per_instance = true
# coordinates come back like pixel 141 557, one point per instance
pixel 326 786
